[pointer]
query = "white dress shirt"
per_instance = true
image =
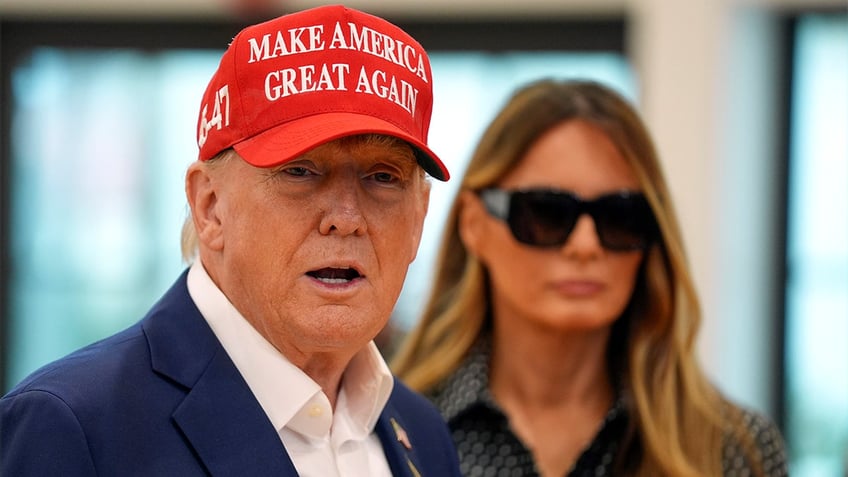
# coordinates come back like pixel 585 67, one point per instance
pixel 321 442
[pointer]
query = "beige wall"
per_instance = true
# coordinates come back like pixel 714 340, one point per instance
pixel 399 7
pixel 706 68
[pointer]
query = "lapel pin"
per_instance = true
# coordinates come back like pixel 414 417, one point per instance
pixel 401 434
pixel 412 468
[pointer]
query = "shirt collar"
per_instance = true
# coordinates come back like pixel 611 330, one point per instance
pixel 284 391
pixel 468 387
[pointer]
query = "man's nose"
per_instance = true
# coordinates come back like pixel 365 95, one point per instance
pixel 342 210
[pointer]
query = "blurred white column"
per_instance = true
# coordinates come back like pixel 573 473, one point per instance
pixel 747 248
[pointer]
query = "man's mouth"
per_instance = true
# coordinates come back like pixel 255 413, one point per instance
pixel 335 276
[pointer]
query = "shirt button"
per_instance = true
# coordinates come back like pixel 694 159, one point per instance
pixel 315 410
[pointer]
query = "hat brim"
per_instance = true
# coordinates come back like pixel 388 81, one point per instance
pixel 285 142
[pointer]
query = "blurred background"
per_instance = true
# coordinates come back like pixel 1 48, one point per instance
pixel 747 100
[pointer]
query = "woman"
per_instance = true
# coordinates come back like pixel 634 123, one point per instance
pixel 559 336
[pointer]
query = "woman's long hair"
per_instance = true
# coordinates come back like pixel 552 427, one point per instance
pixel 677 418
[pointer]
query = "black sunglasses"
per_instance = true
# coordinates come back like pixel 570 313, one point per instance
pixel 545 218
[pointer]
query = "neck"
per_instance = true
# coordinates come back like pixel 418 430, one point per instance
pixel 541 367
pixel 546 380
pixel 326 369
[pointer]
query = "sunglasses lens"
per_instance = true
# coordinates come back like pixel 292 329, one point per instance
pixel 624 222
pixel 542 218
pixel 545 218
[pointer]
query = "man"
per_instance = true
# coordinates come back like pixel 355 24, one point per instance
pixel 307 204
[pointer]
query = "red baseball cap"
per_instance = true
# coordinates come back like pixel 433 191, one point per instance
pixel 293 83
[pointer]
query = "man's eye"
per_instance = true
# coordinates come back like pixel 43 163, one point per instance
pixel 296 171
pixel 384 177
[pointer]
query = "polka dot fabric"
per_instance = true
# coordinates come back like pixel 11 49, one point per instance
pixel 488 448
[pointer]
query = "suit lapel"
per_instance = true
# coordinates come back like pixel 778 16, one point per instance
pixel 398 447
pixel 219 416
pixel 227 427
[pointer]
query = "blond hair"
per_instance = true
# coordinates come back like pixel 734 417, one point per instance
pixel 678 419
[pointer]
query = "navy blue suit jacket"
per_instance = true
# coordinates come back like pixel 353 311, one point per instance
pixel 164 398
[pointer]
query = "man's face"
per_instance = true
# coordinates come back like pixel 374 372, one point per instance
pixel 314 252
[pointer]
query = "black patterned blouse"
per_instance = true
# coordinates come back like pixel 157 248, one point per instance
pixel 488 448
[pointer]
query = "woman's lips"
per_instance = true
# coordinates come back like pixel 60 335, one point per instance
pixel 579 288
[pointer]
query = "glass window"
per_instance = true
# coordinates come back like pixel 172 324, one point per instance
pixel 100 140
pixel 817 251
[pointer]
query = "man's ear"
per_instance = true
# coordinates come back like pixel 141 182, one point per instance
pixel 203 201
